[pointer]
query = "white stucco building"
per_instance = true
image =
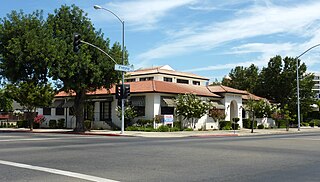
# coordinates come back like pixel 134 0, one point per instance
pixel 152 93
pixel 316 87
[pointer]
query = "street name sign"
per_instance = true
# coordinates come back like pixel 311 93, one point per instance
pixel 124 68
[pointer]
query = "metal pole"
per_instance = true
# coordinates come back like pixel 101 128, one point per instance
pixel 122 100
pixel 298 93
pixel 298 88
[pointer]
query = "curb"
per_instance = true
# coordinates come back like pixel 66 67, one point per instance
pixel 215 135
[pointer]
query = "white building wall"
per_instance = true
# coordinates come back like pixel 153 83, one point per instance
pixel 267 122
pixel 228 98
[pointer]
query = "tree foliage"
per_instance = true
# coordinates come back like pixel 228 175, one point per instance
pixel 276 82
pixel 129 114
pixel 87 70
pixel 5 101
pixel 31 96
pixel 242 78
pixel 190 106
pixel 217 114
pixel 26 47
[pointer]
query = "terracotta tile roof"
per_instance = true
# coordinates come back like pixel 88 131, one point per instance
pixel 158 70
pixel 154 86
pixel 225 89
pixel 251 96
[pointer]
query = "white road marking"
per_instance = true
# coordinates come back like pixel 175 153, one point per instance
pixel 57 171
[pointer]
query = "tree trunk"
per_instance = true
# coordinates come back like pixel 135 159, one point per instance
pixel 79 108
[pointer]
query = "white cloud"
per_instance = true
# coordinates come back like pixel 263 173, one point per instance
pixel 253 22
pixel 142 14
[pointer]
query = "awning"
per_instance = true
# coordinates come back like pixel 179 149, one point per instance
pixel 217 105
pixel 57 103
pixel 169 102
pixel 69 103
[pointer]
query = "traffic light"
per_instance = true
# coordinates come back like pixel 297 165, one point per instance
pixel 126 92
pixel 119 92
pixel 76 42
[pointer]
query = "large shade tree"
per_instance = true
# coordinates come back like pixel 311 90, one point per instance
pixel 26 49
pixel 276 82
pixel 87 70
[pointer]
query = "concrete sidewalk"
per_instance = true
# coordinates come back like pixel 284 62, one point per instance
pixel 215 133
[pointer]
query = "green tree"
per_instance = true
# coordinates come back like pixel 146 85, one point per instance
pixel 31 96
pixel 5 101
pixel 191 107
pixel 26 47
pixel 251 106
pixel 276 82
pixel 217 114
pixel 87 70
pixel 242 78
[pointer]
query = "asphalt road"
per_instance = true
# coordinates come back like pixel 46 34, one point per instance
pixel 61 157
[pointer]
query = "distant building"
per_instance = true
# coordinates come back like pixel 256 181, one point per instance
pixel 316 87
pixel 166 74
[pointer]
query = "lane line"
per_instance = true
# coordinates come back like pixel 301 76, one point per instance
pixel 57 171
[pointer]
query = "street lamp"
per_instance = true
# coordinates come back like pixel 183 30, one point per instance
pixel 298 96
pixel 122 100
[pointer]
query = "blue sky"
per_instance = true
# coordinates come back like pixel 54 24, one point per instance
pixel 205 37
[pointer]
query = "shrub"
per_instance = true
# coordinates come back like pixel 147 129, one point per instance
pixel 235 126
pixel 132 128
pixel 246 123
pixel 87 124
pixel 23 124
pixel 177 124
pixel 304 124
pixel 144 122
pixel 149 129
pixel 36 125
pixel 236 120
pixel 188 129
pixel 225 125
pixel 316 122
pixel 173 129
pixel 52 123
pixel 163 128
pixel 311 123
pixel 260 126
pixel 61 123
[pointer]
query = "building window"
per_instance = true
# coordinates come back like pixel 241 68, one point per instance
pixel 47 111
pixel 89 111
pixel 196 83
pixel 131 80
pixel 167 110
pixel 167 105
pixel 138 103
pixel 105 111
pixel 59 111
pixel 72 111
pixel 167 79
pixel 146 78
pixel 182 81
